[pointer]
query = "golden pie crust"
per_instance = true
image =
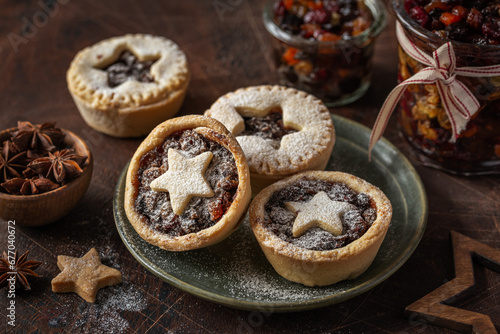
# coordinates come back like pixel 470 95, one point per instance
pixel 319 268
pixel 307 149
pixel 214 131
pixel 133 108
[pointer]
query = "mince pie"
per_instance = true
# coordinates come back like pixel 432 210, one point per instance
pixel 125 86
pixel 281 130
pixel 188 184
pixel 320 227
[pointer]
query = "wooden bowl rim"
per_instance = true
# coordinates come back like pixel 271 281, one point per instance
pixel 86 168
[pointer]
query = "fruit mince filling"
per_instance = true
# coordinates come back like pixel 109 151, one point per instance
pixel 327 20
pixel 279 220
pixel 128 67
pixel 475 22
pixel 267 127
pixel 328 72
pixel 201 212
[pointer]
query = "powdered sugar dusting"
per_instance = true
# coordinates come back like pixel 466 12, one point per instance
pixel 105 315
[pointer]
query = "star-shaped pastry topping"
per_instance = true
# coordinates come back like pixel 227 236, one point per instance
pixel 184 179
pixel 432 307
pixel 321 212
pixel 85 275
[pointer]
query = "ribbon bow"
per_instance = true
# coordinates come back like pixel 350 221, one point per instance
pixel 458 101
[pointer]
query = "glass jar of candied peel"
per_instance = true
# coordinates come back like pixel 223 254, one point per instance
pixel 475 36
pixel 325 47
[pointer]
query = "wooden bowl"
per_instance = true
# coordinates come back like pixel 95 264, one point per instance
pixel 45 208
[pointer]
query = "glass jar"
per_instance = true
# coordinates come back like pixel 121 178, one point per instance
pixel 422 118
pixel 337 72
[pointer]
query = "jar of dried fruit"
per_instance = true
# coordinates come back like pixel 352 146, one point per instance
pixel 473 28
pixel 325 47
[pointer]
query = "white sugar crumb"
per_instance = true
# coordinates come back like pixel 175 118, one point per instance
pixel 106 313
pixel 110 257
pixel 126 299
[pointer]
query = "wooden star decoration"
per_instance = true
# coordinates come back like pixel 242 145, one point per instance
pixel 85 275
pixel 433 308
pixel 321 212
pixel 184 179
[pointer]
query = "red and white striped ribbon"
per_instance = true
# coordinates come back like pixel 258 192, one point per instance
pixel 457 100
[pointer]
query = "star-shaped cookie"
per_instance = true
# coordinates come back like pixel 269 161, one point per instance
pixel 85 275
pixel 184 179
pixel 321 212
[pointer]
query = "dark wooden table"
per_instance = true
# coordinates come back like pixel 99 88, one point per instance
pixel 227 47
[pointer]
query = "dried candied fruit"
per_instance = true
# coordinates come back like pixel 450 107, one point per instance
pixel 476 22
pixel 316 40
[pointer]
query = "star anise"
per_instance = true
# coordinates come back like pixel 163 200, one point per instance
pixel 33 186
pixel 20 269
pixel 61 165
pixel 42 138
pixel 11 164
pixel 12 147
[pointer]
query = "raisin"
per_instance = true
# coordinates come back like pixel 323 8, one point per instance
pixel 419 15
pixel 491 29
pixel 436 5
pixel 331 6
pixel 459 11
pixel 370 215
pixel 321 74
pixel 474 19
pixel 291 23
pixel 228 183
pixel 457 31
pixel 216 210
pixel 279 10
pixel 435 14
pixel 317 16
pixel 409 4
pixel 363 200
pixel 350 12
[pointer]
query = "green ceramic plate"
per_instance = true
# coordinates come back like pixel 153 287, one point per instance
pixel 236 273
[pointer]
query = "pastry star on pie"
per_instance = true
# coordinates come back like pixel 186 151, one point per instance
pixel 85 275
pixel 184 179
pixel 321 212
